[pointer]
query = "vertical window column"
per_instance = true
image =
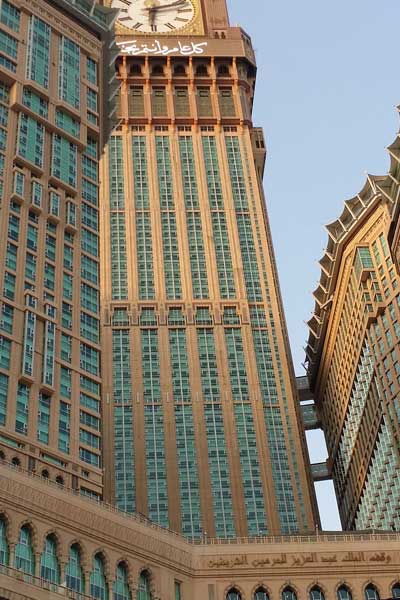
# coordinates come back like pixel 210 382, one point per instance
pixel 119 275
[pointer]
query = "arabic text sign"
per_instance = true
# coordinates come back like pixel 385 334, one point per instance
pixel 135 48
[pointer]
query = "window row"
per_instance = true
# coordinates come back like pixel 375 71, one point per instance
pixel 316 593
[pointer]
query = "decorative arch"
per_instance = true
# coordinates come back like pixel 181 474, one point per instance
pixel 4 547
pixel 180 70
pixel 234 593
pixel 371 591
pixel 395 589
pixel 24 559
pixel 144 591
pixel 316 592
pixel 49 564
pixel 98 578
pixel 288 592
pixel 343 592
pixel 260 593
pixel 74 574
pixel 121 590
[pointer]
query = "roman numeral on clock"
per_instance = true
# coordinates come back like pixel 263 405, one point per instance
pixel 170 26
pixel 183 20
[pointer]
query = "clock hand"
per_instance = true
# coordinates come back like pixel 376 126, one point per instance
pixel 172 5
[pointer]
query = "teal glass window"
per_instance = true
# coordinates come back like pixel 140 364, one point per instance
pixel 11 256
pixel 64 160
pixel 98 581
pixel 344 593
pixel 49 567
pixel 24 556
pixel 9 285
pixel 22 413
pixel 71 213
pixel 89 402
pixel 89 457
pixel 89 359
pixel 49 353
pixel 64 426
pixel 66 315
pixel 89 385
pixel 8 44
pixel 74 577
pixel 218 217
pixel 156 464
pixel 43 428
pixel 32 237
pixel 395 591
pixel 234 594
pixel 5 352
pixel 13 228
pixel 19 183
pixel 289 594
pixel 38 52
pixel 261 594
pixel 193 219
pixel 90 328
pixel 92 100
pixel 90 192
pixel 30 140
pixel 69 84
pixel 371 593
pixel 89 298
pixel 3 398
pixel 29 343
pixel 49 276
pixel 35 102
pixel 89 269
pixel 91 70
pixel 4 548
pixel 90 216
pixel 66 347
pixel 178 591
pixel 316 593
pixel 124 466
pixel 89 420
pixel 173 284
pixel 88 438
pixel 7 318
pixel 122 385
pixel 68 258
pixel 121 587
pixel 68 282
pixel 10 15
pixel 119 272
pixel 65 382
pixel 89 242
pixel 144 249
pixel 67 123
pixel 143 592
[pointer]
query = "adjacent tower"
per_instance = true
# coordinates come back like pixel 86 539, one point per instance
pixel 55 88
pixel 201 429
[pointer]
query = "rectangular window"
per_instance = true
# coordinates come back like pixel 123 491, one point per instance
pixel 22 412
pixel 38 52
pixel 35 102
pixel 10 15
pixel 43 428
pixel 69 78
pixel 182 107
pixel 67 123
pixel 30 140
pixel 64 160
pixel 64 425
pixel 91 70
pixel 204 106
pixel 226 102
pixel 136 101
pixel 159 102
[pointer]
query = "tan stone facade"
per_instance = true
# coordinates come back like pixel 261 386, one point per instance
pixel 206 571
pixel 354 357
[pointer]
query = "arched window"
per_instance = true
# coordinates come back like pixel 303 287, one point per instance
pixel 371 593
pixel 396 590
pixel 261 594
pixel 24 557
pixel 121 587
pixel 59 480
pixel 49 567
pixel 4 548
pixel 143 592
pixel 98 581
pixel 2 455
pixel 73 572
pixel 202 71
pixel 344 593
pixel 289 594
pixel 234 594
pixel 15 461
pixel 45 474
pixel 180 70
pixel 316 593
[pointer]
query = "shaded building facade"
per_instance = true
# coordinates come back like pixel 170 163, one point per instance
pixel 56 88
pixel 201 427
pixel 353 354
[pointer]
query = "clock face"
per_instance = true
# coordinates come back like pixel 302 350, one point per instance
pixel 155 16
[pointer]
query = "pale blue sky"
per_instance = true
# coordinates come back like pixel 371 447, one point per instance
pixel 328 85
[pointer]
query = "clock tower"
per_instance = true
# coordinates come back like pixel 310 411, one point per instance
pixel 201 425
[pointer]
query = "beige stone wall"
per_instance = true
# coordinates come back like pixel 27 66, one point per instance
pixel 206 571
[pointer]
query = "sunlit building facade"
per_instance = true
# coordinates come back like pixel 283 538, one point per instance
pixel 353 354
pixel 201 428
pixel 55 94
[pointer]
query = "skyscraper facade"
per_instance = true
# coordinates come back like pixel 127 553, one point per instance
pixel 55 95
pixel 201 431
pixel 354 354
